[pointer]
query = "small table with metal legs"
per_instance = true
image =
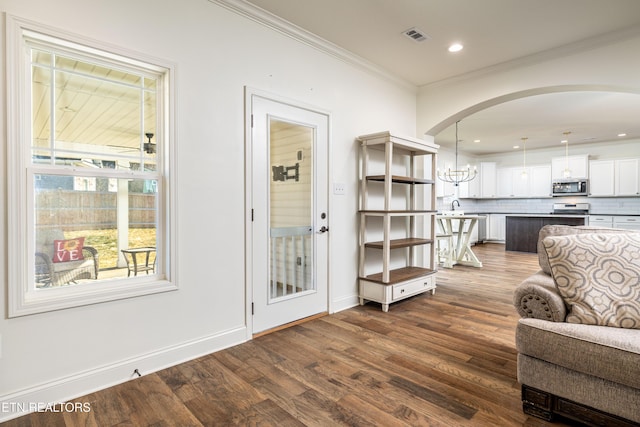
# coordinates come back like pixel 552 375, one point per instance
pixel 131 257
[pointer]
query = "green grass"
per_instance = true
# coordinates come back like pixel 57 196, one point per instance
pixel 105 242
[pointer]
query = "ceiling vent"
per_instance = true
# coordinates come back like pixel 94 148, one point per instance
pixel 416 34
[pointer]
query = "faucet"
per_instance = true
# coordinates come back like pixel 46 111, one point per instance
pixel 453 208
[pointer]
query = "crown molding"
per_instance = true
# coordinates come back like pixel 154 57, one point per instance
pixel 274 22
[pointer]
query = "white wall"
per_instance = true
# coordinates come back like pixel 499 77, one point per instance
pixel 67 353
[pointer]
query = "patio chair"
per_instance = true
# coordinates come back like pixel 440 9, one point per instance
pixel 60 261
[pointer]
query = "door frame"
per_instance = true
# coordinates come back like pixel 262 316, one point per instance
pixel 249 93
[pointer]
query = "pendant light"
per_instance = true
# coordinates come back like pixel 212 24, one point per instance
pixel 567 172
pixel 457 176
pixel 524 157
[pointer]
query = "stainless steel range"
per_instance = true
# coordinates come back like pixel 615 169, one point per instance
pixel 570 209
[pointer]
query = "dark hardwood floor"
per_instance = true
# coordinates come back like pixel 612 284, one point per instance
pixel 447 359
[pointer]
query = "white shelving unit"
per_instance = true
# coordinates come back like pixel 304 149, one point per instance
pixel 415 248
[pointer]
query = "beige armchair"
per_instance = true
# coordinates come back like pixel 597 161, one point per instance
pixel 59 261
pixel 578 338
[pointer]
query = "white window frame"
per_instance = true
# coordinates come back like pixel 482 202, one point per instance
pixel 24 297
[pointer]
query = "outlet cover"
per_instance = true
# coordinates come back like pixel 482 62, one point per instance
pixel 338 188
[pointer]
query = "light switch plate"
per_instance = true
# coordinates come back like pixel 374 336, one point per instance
pixel 338 188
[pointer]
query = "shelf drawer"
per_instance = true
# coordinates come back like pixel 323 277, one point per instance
pixel 403 290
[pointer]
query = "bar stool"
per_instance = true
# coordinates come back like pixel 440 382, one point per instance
pixel 445 249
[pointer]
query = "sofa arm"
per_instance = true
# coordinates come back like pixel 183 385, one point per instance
pixel 537 297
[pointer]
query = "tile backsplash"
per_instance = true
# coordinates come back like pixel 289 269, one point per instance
pixel 598 205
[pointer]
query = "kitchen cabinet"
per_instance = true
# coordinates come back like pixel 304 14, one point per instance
pixel 487 175
pixel 496 227
pixel 540 181
pixel 504 182
pixel 578 165
pixel 520 182
pixel 628 222
pixel 443 188
pixel 601 221
pixel 627 177
pixel 536 182
pixel 614 177
pixel 601 178
pixel 470 189
pixel 522 231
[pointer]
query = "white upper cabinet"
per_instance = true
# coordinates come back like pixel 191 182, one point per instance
pixel 627 177
pixel 470 189
pixel 540 181
pixel 521 182
pixel 619 177
pixel 578 166
pixel 443 188
pixel 487 182
pixel 601 178
pixel 535 182
pixel 504 182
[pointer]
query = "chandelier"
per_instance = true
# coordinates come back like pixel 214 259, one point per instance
pixel 457 176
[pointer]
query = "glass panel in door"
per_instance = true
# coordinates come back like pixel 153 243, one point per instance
pixel 290 209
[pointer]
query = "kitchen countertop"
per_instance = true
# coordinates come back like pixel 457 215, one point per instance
pixel 612 214
pixel 542 215
pixel 545 214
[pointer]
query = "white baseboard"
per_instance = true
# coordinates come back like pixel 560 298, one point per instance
pixel 64 389
pixel 344 303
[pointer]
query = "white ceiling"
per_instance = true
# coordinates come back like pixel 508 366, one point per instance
pixel 493 32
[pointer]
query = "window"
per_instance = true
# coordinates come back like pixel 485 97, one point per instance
pixel 89 160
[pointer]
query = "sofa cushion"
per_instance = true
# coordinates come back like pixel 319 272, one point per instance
pixel 568 230
pixel 598 277
pixel 609 353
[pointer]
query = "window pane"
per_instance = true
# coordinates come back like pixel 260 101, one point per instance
pixel 41 111
pixel 95 70
pixel 82 225
pixel 95 115
pixel 99 112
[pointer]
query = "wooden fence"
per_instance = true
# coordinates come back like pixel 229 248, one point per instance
pixel 89 210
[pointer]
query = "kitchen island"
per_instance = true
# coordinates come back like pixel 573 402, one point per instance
pixel 522 229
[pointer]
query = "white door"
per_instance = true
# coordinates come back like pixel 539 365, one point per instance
pixel 288 231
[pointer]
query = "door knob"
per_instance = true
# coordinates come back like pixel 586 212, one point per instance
pixel 323 229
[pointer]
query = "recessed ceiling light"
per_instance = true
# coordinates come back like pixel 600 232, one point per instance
pixel 476 140
pixel 622 134
pixel 456 47
pixel 564 141
pixel 516 146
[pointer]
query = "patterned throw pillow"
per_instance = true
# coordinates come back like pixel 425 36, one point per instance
pixel 567 230
pixel 68 250
pixel 598 277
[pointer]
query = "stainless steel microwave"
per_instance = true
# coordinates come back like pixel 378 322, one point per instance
pixel 570 187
